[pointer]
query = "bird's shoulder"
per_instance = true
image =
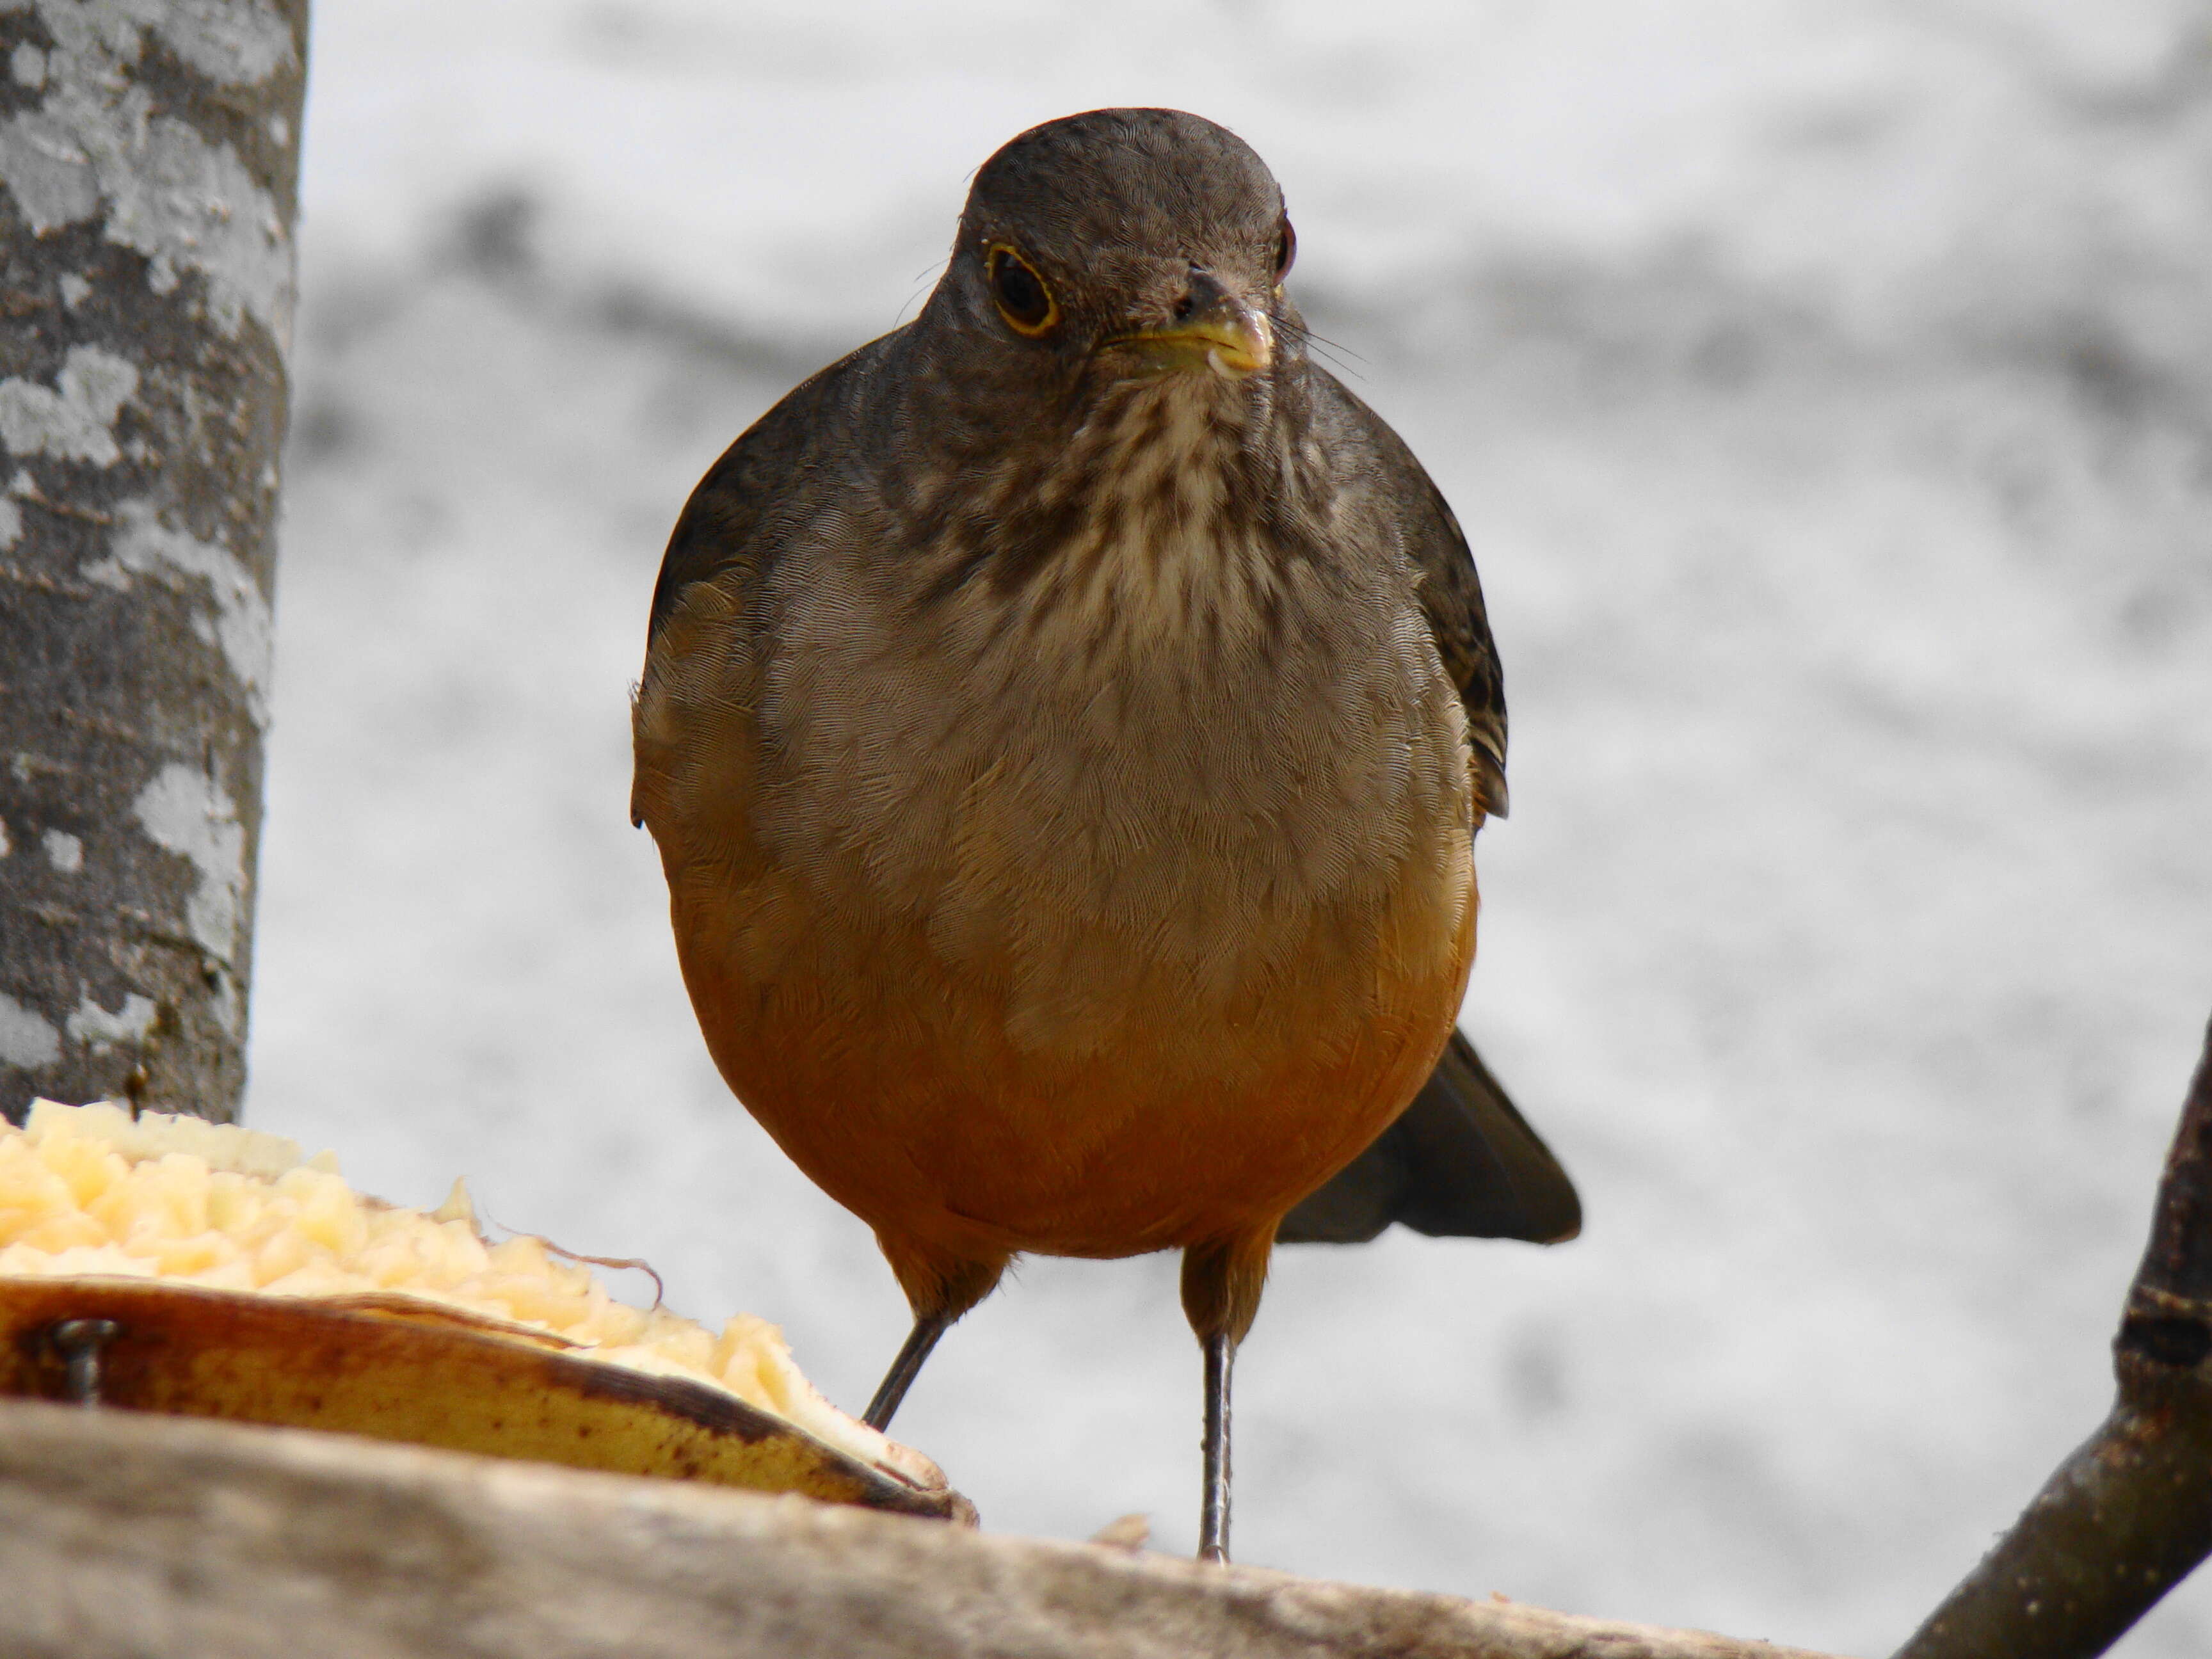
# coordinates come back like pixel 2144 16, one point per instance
pixel 1381 472
pixel 741 511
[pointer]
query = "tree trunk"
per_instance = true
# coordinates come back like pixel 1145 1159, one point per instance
pixel 150 159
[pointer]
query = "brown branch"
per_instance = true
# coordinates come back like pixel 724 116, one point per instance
pixel 2128 1515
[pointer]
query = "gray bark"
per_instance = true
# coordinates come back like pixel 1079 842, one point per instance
pixel 150 156
pixel 130 1536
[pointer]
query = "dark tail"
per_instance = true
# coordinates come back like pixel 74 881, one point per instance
pixel 1460 1163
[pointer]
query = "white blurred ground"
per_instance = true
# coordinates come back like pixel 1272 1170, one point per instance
pixel 1827 392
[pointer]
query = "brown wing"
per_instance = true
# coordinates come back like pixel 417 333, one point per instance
pixel 1460 1161
pixel 1398 487
pixel 739 519
pixel 733 515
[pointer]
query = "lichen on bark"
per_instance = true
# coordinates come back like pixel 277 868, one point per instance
pixel 149 175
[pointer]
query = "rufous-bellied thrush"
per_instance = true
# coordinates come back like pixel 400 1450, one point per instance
pixel 1064 724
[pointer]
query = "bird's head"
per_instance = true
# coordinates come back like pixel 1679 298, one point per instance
pixel 1124 244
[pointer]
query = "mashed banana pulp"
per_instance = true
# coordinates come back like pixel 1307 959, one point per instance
pixel 88 1190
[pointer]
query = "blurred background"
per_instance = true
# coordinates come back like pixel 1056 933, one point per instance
pixel 1826 390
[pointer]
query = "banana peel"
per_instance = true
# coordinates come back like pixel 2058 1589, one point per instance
pixel 171 1265
pixel 396 1368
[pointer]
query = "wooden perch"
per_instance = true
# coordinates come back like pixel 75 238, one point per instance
pixel 2128 1515
pixel 127 1534
pixel 124 1534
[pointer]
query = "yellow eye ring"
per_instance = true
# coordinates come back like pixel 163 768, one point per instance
pixel 1024 299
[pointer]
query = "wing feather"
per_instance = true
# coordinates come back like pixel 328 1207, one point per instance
pixel 1450 591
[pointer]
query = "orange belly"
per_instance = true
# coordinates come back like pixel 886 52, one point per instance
pixel 901 1090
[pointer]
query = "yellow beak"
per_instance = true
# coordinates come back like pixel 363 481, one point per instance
pixel 1223 335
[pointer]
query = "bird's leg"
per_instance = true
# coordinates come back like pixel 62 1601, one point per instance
pixel 928 1328
pixel 939 1287
pixel 1221 1281
pixel 1214 1498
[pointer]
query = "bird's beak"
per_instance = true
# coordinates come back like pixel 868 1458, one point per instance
pixel 1216 330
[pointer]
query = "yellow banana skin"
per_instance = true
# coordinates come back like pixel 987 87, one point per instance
pixel 394 1368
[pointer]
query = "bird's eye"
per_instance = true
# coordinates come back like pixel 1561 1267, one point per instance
pixel 1023 298
pixel 1286 248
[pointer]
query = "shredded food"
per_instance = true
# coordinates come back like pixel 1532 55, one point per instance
pixel 89 1190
